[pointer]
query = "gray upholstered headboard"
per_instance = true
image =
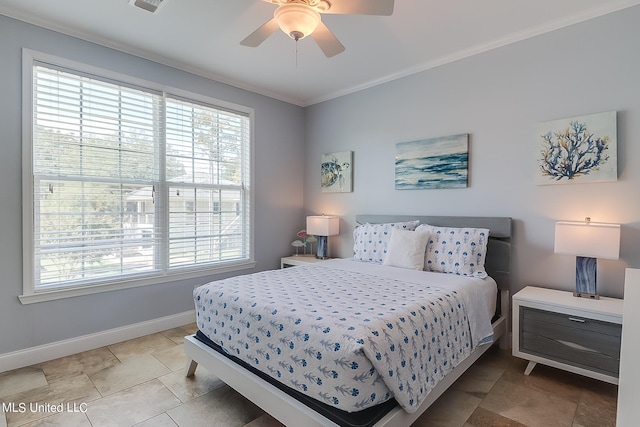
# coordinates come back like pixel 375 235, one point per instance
pixel 498 260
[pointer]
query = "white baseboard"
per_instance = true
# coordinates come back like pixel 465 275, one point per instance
pixel 46 352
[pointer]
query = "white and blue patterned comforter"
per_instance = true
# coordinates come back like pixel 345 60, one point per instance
pixel 348 333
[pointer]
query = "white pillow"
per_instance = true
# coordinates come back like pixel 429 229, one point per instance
pixel 459 251
pixel 406 249
pixel 370 240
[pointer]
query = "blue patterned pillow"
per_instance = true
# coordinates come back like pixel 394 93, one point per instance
pixel 370 241
pixel 459 251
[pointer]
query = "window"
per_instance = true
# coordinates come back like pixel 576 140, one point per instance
pixel 125 183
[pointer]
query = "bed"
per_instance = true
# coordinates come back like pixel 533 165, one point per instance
pixel 283 347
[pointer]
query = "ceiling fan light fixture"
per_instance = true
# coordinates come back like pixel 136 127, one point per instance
pixel 297 20
pixel 148 5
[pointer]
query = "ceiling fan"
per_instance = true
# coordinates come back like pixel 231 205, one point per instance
pixel 301 18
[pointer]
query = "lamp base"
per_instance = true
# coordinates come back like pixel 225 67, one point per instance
pixel 586 271
pixel 590 296
pixel 323 249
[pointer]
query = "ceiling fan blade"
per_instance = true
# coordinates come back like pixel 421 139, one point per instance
pixel 361 7
pixel 327 42
pixel 258 36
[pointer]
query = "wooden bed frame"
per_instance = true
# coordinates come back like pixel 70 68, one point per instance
pixel 291 412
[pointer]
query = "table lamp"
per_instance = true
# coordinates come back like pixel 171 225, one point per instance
pixel 323 226
pixel 588 241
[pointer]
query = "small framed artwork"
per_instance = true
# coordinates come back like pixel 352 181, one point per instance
pixel 577 150
pixel 336 172
pixel 433 163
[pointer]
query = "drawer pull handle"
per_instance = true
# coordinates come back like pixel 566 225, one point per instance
pixel 573 319
pixel 577 346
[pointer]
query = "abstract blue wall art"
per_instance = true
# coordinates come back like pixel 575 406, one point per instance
pixel 577 150
pixel 433 163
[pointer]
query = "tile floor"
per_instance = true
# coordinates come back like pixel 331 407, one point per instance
pixel 141 382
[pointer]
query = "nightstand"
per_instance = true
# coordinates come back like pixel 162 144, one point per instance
pixel 579 335
pixel 290 261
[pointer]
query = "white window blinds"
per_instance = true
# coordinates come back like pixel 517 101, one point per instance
pixel 207 169
pixel 132 182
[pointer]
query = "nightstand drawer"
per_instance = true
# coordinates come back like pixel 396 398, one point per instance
pixel 574 340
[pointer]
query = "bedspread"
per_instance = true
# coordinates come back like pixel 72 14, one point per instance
pixel 349 334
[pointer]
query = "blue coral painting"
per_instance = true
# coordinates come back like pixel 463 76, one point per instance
pixel 577 150
pixel 432 163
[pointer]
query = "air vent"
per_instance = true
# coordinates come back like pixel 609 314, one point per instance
pixel 148 5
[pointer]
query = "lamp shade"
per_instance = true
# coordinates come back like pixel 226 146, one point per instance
pixel 587 239
pixel 297 20
pixel 323 225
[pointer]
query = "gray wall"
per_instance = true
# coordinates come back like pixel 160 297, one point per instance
pixel 497 97
pixel 279 131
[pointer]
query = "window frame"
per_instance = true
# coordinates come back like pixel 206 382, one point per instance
pixel 30 294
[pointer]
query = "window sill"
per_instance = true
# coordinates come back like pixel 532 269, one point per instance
pixel 56 294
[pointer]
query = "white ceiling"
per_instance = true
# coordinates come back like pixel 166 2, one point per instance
pixel 203 36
